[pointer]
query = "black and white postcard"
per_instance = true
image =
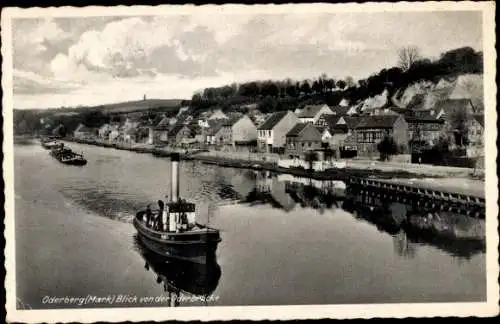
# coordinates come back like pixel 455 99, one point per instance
pixel 186 162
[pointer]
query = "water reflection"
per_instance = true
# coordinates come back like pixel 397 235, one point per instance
pixel 286 192
pixel 410 222
pixel 186 283
pixel 413 224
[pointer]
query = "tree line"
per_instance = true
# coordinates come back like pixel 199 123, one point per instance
pixel 273 95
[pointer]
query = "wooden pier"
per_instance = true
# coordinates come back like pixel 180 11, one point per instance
pixel 469 202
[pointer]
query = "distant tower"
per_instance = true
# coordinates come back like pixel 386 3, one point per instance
pixel 144 98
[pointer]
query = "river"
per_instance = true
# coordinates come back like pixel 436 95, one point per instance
pixel 280 245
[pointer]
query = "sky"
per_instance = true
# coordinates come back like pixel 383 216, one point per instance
pixel 96 60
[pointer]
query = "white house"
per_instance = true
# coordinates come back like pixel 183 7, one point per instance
pixel 272 133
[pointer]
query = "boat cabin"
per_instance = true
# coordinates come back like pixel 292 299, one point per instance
pixel 176 217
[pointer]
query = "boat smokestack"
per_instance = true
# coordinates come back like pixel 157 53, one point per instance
pixel 175 158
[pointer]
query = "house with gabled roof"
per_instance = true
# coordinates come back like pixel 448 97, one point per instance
pixel 214 132
pixel 239 133
pixel 447 107
pixel 311 113
pixel 426 129
pixel 272 132
pixel 302 138
pixel 177 133
pixel 370 130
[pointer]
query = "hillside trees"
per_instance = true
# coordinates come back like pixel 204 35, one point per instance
pixel 408 55
pixel 412 67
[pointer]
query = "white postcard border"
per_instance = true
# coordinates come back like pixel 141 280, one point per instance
pixel 488 308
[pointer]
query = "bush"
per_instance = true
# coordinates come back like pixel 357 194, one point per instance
pixel 387 147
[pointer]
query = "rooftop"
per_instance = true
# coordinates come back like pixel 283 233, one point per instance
pixel 378 121
pixel 330 120
pixel 450 105
pixel 479 118
pixel 351 121
pixel 310 111
pixel 176 129
pixel 297 129
pixel 272 120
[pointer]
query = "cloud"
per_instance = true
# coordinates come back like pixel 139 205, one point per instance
pixel 219 47
pixel 134 47
pixel 36 42
pixel 30 83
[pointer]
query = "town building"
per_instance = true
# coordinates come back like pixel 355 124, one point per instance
pixel 272 133
pixel 177 133
pixel 311 113
pixel 239 133
pixel 214 133
pixel 301 138
pixel 475 147
pixel 445 109
pixel 424 129
pixel 161 130
pixel 372 129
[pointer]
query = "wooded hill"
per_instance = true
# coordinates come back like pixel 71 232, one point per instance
pixel 276 95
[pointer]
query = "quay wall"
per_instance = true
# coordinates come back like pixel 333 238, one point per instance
pixel 353 168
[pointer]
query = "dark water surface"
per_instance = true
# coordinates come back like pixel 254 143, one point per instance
pixel 281 243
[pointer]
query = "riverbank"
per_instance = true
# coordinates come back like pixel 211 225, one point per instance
pixel 450 179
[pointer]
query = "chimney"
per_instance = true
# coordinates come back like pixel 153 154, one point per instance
pixel 174 186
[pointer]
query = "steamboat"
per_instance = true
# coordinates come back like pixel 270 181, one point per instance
pixel 172 230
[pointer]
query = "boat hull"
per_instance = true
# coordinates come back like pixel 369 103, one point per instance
pixel 179 246
pixel 74 162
